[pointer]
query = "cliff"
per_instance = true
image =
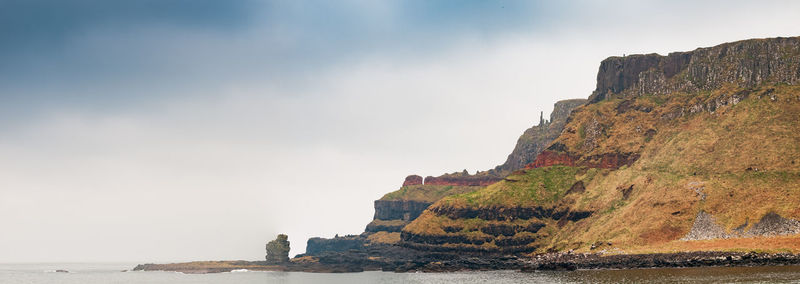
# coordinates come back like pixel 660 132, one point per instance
pixel 697 145
pixel 397 209
pixel 535 139
pixel 318 246
pixel 745 64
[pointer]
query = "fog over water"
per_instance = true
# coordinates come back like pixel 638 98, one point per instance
pixel 153 131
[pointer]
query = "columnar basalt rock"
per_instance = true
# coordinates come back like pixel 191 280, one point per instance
pixel 405 210
pixel 317 246
pixel 745 64
pixel 278 250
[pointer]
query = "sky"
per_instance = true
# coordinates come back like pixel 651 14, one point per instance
pixel 177 130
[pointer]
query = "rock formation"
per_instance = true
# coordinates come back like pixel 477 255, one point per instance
pixel 706 227
pixel 691 145
pixel 615 170
pixel 397 209
pixel 317 246
pixel 746 64
pixel 535 139
pixel 278 250
pixel 412 180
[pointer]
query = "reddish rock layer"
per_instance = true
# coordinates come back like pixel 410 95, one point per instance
pixel 550 158
pixel 412 180
pixel 604 161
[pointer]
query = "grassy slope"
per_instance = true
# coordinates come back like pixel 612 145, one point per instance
pixel 700 150
pixel 427 193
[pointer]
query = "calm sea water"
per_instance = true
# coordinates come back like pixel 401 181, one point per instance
pixel 112 273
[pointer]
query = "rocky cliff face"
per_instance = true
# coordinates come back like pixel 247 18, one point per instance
pixel 405 210
pixel 397 209
pixel 318 246
pixel 392 215
pixel 745 64
pixel 693 145
pixel 535 139
pixel 413 180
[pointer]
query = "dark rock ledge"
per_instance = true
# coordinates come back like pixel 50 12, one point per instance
pixel 407 260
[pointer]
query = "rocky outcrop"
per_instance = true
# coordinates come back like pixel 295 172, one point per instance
pixel 412 180
pixel 317 246
pixel 397 209
pixel 399 259
pixel 552 158
pixel 573 261
pixel 603 161
pixel 746 64
pixel 510 213
pixel 390 226
pixel 490 229
pixel 278 250
pixel 406 210
pixel 529 145
pixel 706 227
pixel 535 139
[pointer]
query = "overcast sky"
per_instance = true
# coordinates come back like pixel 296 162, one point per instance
pixel 173 130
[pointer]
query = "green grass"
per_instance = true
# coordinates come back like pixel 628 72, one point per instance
pixel 427 193
pixel 534 187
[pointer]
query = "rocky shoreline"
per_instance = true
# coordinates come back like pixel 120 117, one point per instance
pixel 439 262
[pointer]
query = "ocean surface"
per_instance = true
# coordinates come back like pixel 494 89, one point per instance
pixel 113 273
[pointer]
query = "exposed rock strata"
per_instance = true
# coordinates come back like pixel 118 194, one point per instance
pixel 604 161
pixel 391 215
pixel 412 180
pixel 406 210
pixel 378 225
pixel 745 63
pixel 535 139
pixel 509 213
pixel 317 246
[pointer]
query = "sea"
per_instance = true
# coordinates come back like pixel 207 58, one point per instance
pixel 119 273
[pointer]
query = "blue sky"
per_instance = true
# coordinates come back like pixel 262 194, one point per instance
pixel 166 130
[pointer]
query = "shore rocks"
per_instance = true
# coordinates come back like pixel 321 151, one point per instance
pixel 399 259
pixel 568 261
